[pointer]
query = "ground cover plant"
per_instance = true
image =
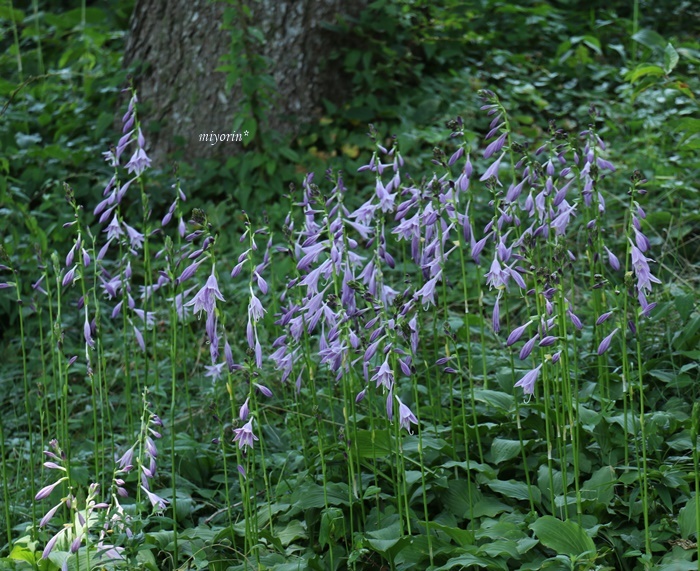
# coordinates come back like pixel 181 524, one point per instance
pixel 483 360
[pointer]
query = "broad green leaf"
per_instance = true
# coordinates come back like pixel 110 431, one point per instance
pixel 331 526
pixel 384 539
pixel 670 58
pixel 503 450
pixel 294 530
pixel 516 490
pixel 496 399
pixel 686 519
pixel 490 507
pixel 462 537
pixel 457 497
pixel 643 70
pixel 499 548
pixel 23 553
pixel 464 561
pixel 564 537
pixel 312 495
pixel 678 566
pixel 372 443
pixel 600 485
pixel 650 39
pixel 593 43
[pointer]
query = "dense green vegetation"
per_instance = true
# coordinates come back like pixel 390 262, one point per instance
pixel 468 339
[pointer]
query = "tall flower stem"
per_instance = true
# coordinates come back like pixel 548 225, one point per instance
pixel 694 425
pixel 173 405
pixel 518 421
pixel 426 513
pixel 645 482
pixel 5 490
pixel 27 401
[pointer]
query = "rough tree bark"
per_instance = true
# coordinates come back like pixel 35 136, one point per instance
pixel 179 44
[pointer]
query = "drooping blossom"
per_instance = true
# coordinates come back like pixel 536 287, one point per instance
pixel 527 382
pixel 406 417
pixel 244 435
pixel 205 298
pixel 640 264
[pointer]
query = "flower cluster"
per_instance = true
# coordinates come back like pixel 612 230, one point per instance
pixel 72 535
pixel 142 455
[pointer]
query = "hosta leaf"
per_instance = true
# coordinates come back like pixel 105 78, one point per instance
pixel 564 537
pixel 490 507
pixel 516 490
pixel 600 485
pixel 384 539
pixel 464 561
pixel 650 39
pixel 496 399
pixel 462 537
pixel 503 450
pixel 372 443
pixel 313 496
pixel 294 530
pixel 686 519
pixel 670 58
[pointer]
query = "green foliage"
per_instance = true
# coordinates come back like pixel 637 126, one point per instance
pixel 414 65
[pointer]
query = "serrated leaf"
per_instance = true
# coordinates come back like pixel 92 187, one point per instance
pixel 564 537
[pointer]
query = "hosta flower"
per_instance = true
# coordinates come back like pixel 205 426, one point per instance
pixel 114 229
pixel 406 417
pixel 135 237
pixel 612 259
pixel 384 375
pixel 51 544
pixel 516 334
pixel 49 514
pixel 156 500
pixel 244 435
pixel 244 411
pixel 205 299
pixel 527 382
pixel 496 277
pixel 492 171
pixel 45 492
pixel 138 163
pixel 605 343
pixel 640 264
pixel 215 371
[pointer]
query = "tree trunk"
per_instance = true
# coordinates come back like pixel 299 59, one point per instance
pixel 178 45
